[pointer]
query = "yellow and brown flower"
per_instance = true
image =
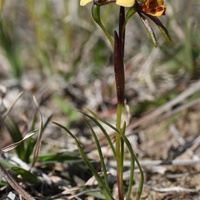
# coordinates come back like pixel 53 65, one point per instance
pixel 152 7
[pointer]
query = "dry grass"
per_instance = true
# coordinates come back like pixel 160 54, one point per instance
pixel 53 50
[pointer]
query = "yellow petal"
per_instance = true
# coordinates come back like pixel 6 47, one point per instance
pixel 125 3
pixel 84 2
pixel 158 11
pixel 160 2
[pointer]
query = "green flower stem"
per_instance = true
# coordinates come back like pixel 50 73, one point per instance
pixel 119 158
pixel 107 35
pixel 120 82
pixel 118 46
pixel 97 18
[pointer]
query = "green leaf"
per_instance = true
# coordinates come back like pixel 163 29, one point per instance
pixel 103 131
pixel 162 28
pixel 129 14
pixel 59 157
pixel 133 160
pixel 149 29
pixel 103 165
pixel 16 136
pixel 30 143
pixel 26 175
pixel 101 183
pixel 6 163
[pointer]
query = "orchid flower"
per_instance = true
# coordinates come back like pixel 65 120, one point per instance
pixel 153 7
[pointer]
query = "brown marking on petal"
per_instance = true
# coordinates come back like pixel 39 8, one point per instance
pixel 152 7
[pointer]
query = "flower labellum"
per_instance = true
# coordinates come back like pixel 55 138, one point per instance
pixel 153 7
pixel 125 3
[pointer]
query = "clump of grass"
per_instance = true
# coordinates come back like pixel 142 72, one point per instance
pixel 103 180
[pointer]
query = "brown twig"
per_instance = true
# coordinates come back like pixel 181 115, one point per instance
pixel 152 117
pixel 171 189
pixel 154 163
pixel 161 113
pixel 12 182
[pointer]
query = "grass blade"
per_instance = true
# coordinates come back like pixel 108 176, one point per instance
pixel 14 184
pixel 99 152
pixel 133 159
pixel 16 136
pixel 104 189
pixel 58 157
pixel 39 138
pixel 103 131
pixel 14 145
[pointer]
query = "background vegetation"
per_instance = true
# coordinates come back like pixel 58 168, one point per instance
pixel 53 50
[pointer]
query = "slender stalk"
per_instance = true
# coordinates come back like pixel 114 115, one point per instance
pixel 118 153
pixel 107 35
pixel 120 82
pixel 97 17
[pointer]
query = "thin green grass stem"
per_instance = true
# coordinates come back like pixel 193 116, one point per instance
pixel 122 144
